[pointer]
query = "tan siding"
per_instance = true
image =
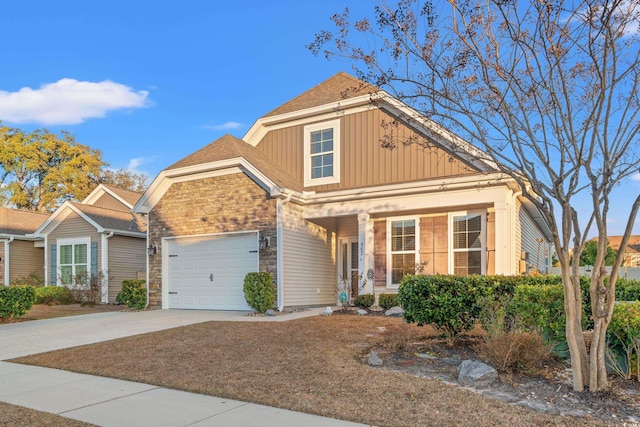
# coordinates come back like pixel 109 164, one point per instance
pixel 74 226
pixel 127 258
pixel 25 259
pixel 309 265
pixel 529 233
pixel 491 242
pixel 109 202
pixel 363 161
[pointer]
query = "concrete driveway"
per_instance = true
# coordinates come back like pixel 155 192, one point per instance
pixel 38 336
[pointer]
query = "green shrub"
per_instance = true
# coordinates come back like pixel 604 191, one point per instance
pixel 386 301
pixel 259 291
pixel 448 303
pixel 624 339
pixel 53 295
pixel 540 308
pixel 627 290
pixel 33 279
pixel 15 301
pixel 133 294
pixel 364 301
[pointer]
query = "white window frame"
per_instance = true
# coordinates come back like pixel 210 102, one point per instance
pixel 335 125
pixel 483 240
pixel 416 219
pixel 72 242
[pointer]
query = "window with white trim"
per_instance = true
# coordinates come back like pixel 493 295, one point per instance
pixel 468 243
pixel 403 243
pixel 74 259
pixel 322 153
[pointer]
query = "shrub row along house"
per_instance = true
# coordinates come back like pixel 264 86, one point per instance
pixel 98 237
pixel 313 193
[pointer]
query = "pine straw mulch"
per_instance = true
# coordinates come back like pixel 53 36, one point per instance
pixel 315 365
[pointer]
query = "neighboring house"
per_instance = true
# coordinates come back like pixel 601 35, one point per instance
pixel 632 254
pixel 100 236
pixel 20 254
pixel 311 196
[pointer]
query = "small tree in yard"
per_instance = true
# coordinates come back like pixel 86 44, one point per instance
pixel 547 89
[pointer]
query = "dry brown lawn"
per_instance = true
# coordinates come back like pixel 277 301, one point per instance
pixel 17 416
pixel 314 365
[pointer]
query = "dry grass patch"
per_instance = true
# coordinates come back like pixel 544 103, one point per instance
pixel 43 311
pixel 313 365
pixel 17 416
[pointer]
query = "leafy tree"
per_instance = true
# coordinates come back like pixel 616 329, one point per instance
pixel 126 179
pixel 590 252
pixel 40 170
pixel 547 89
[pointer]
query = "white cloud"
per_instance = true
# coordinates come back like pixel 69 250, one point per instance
pixel 636 177
pixel 224 126
pixel 68 102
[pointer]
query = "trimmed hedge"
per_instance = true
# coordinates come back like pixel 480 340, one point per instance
pixel 133 293
pixel 15 301
pixel 53 295
pixel 364 301
pixel 259 291
pixel 386 301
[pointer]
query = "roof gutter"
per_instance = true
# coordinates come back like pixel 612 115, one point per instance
pixel 279 251
pixel 6 258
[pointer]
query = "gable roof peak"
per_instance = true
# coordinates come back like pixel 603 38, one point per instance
pixel 339 87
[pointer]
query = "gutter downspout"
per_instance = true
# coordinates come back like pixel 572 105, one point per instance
pixel 512 232
pixel 6 260
pixel 279 253
pixel 104 261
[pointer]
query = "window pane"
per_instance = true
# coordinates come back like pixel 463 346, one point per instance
pixel 327 146
pixel 410 243
pixel 327 134
pixel 396 244
pixel 316 161
pixel 80 254
pixel 474 222
pixel 327 171
pixel 316 136
pixel 467 262
pixel 65 254
pixel 316 173
pixel 65 274
pixel 327 159
pixel 316 148
pixel 474 240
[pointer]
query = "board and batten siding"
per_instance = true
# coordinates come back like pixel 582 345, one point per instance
pixel 2 263
pixel 127 260
pixel 109 202
pixel 528 233
pixel 73 226
pixel 363 161
pixel 25 259
pixel 309 267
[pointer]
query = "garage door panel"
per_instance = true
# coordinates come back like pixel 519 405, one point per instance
pixel 208 272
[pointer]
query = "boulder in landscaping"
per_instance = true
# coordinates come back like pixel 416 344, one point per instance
pixel 396 311
pixel 476 373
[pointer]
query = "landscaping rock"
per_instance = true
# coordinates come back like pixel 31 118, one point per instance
pixel 374 360
pixel 362 312
pixel 269 313
pixel 327 312
pixel 476 373
pixel 396 311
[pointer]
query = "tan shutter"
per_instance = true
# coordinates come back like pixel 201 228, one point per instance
pixel 380 252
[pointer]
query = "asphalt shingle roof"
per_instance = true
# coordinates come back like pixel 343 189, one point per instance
pixel 20 222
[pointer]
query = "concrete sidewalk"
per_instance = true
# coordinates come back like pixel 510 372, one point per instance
pixel 110 402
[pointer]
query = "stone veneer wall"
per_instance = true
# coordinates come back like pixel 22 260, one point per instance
pixel 211 205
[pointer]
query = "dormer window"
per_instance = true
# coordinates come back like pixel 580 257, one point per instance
pixel 322 153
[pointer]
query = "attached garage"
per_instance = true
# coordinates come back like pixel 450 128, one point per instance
pixel 207 272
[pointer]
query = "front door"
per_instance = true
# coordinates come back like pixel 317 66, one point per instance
pixel 349 263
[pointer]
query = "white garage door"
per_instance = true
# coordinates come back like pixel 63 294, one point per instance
pixel 208 272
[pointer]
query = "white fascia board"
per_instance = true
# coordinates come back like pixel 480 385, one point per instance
pixel 125 233
pixel 322 112
pixel 206 170
pixel 448 199
pixel 476 182
pixel 58 216
pixel 101 190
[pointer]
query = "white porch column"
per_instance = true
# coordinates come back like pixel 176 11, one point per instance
pixel 365 248
pixel 503 228
pixel 104 268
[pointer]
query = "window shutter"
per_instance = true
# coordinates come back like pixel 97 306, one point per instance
pixel 53 264
pixel 94 258
pixel 380 252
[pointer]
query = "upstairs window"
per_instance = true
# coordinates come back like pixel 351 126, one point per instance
pixel 321 152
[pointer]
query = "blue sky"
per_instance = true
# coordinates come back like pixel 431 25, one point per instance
pixel 148 83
